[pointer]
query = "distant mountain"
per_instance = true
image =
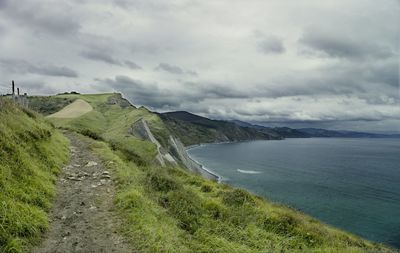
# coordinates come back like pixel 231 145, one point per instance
pixel 291 132
pixel 318 132
pixel 285 132
pixel 193 129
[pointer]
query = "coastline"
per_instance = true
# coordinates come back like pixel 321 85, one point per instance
pixel 200 168
pixel 204 171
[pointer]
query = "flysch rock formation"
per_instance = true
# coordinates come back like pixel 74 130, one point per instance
pixel 141 130
pixel 189 163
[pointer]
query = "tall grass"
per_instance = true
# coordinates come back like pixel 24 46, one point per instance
pixel 31 154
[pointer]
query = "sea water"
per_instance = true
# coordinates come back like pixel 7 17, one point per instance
pixel 353 184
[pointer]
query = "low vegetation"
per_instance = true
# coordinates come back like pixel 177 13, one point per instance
pixel 31 154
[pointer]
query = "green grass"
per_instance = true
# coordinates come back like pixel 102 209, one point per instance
pixel 31 154
pixel 168 209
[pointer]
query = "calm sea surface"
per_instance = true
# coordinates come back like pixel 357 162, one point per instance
pixel 353 184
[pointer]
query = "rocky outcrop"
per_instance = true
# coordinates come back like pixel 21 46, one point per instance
pixel 117 99
pixel 141 130
pixel 189 163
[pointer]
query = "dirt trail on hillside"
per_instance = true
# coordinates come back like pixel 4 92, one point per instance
pixel 82 219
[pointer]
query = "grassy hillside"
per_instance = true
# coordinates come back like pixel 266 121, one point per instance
pixel 193 129
pixel 167 209
pixel 31 154
pixel 110 120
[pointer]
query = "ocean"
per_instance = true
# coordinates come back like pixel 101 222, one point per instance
pixel 353 184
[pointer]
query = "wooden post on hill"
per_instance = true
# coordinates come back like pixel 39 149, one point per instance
pixel 13 90
pixel 18 97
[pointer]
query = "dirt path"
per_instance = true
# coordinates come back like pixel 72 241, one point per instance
pixel 82 218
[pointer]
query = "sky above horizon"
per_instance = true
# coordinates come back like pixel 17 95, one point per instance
pixel 310 63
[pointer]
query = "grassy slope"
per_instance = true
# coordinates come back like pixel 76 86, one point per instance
pixel 31 154
pixel 170 210
pixel 111 123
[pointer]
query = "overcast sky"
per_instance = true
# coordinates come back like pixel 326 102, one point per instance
pixel 331 63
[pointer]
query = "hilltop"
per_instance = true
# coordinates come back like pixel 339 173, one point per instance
pixel 162 205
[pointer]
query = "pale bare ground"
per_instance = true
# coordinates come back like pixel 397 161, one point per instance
pixel 74 110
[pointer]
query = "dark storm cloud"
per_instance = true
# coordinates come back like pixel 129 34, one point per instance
pixel 23 67
pixel 174 69
pixel 50 17
pixel 342 45
pixel 271 45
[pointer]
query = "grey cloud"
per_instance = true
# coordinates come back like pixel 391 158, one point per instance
pixel 21 66
pixel 157 97
pixel 174 69
pixel 100 56
pixel 342 46
pixel 148 94
pixel 353 61
pixel 271 45
pixel 51 17
pixel 385 73
pixel 132 65
pixel 104 57
pixel 170 68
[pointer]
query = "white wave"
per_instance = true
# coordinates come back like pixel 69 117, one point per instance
pixel 249 171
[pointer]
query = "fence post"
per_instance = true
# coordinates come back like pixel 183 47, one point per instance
pixel 13 90
pixel 18 97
